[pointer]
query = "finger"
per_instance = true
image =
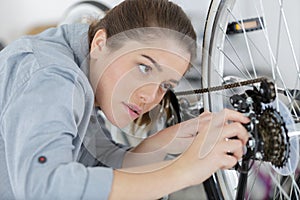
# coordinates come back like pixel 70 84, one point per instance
pixel 229 162
pixel 236 130
pixel 233 148
pixel 205 113
pixel 204 117
pixel 190 128
pixel 215 131
pixel 235 116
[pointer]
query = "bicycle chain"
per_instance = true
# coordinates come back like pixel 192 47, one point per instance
pixel 273 139
pixel 221 87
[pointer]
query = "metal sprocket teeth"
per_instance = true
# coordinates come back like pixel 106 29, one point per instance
pixel 267 91
pixel 274 136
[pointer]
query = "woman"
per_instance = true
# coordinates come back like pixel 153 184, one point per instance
pixel 52 85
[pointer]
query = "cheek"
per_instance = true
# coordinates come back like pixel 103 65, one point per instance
pixel 153 105
pixel 121 86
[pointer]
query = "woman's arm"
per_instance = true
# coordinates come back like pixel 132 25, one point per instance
pixel 154 184
pixel 172 140
pixel 207 153
pixel 41 129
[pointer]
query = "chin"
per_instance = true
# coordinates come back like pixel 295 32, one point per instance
pixel 120 123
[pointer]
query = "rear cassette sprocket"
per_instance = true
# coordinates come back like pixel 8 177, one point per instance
pixel 274 136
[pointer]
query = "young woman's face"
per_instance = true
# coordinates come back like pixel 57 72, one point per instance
pixel 135 81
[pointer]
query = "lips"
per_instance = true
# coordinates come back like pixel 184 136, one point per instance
pixel 134 110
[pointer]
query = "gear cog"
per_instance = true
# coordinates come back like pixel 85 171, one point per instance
pixel 275 141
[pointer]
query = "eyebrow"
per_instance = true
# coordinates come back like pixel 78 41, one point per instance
pixel 174 81
pixel 153 62
pixel 159 67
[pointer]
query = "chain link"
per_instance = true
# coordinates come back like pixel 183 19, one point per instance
pixel 221 87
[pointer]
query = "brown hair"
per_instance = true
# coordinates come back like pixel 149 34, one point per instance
pixel 134 14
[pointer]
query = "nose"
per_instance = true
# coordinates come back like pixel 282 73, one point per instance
pixel 150 93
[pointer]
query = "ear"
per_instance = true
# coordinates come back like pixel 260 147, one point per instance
pixel 99 42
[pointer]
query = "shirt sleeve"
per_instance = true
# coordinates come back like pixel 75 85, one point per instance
pixel 41 127
pixel 99 147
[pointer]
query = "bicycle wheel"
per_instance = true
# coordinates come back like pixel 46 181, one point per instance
pixel 245 40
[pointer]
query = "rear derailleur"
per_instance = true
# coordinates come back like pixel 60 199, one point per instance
pixel 269 140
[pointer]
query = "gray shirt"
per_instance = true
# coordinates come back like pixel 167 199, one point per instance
pixel 46 115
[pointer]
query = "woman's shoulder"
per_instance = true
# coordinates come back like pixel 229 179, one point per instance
pixel 66 46
pixel 62 48
pixel 53 52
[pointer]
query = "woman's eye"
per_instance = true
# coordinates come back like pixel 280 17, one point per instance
pixel 166 86
pixel 145 69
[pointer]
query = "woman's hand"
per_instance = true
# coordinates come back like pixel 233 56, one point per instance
pixel 218 141
pixel 218 144
pixel 183 134
pixel 178 138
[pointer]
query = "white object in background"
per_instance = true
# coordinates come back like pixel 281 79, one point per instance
pixel 83 12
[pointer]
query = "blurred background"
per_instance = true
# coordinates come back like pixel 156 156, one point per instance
pixel 26 17
pixel 29 17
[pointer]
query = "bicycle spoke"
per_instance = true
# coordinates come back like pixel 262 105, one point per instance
pixel 232 62
pixel 256 171
pixel 247 43
pixel 275 59
pixel 259 42
pixel 289 38
pixel 238 56
pixel 274 179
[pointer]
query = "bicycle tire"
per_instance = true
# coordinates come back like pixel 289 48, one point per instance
pixel 215 68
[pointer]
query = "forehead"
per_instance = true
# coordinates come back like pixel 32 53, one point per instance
pixel 159 44
pixel 167 53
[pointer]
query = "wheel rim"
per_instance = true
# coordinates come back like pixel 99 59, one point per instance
pixel 247 55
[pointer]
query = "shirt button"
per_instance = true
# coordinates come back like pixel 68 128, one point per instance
pixel 42 159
